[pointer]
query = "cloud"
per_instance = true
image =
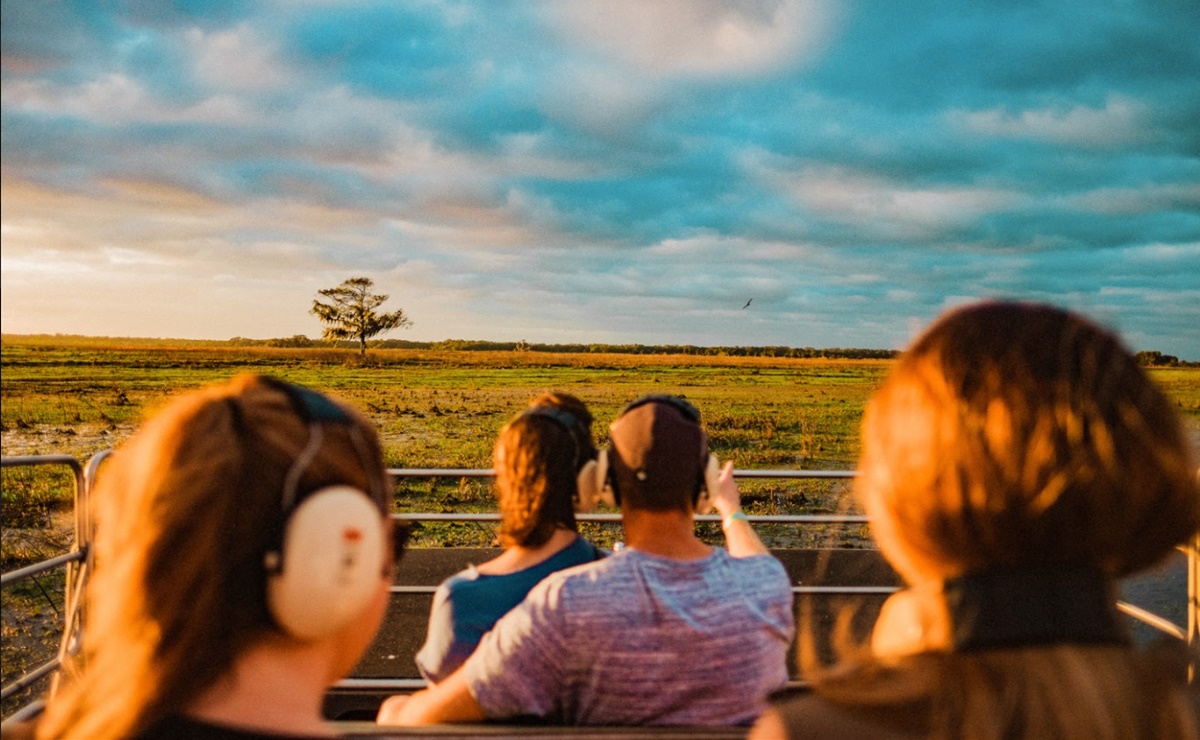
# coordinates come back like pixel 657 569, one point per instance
pixel 882 208
pixel 116 99
pixel 235 60
pixel 697 38
pixel 1121 121
pixel 1117 201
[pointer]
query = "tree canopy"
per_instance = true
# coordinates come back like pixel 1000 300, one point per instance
pixel 351 312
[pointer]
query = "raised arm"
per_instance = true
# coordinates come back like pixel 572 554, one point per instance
pixel 449 701
pixel 740 538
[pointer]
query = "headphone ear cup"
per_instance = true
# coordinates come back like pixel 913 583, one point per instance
pixel 332 558
pixel 605 490
pixel 587 488
pixel 712 474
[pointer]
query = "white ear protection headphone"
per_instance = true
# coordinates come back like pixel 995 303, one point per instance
pixel 600 486
pixel 331 554
pixel 592 485
pixel 587 490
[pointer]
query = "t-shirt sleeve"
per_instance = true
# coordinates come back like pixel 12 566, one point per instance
pixel 444 650
pixel 520 666
pixel 768 591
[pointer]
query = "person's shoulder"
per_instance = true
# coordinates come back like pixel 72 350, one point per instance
pixel 580 581
pixel 579 552
pixel 464 581
pixel 579 575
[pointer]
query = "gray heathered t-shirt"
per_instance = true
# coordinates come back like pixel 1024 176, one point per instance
pixel 641 640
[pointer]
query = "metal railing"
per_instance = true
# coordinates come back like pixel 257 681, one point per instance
pixel 77 560
pixel 74 562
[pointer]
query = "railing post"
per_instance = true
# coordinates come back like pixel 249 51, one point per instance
pixel 74 575
pixel 1193 608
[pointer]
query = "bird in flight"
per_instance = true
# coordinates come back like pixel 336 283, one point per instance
pixel 747 305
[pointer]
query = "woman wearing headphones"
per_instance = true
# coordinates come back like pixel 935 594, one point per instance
pixel 538 459
pixel 1014 465
pixel 206 615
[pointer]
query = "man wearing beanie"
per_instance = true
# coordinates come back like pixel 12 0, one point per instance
pixel 667 631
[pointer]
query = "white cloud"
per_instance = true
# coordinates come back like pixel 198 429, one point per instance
pixel 1143 199
pixel 883 207
pixel 720 248
pixel 116 99
pixel 1122 120
pixel 235 60
pixel 627 52
pixel 702 38
pixel 597 99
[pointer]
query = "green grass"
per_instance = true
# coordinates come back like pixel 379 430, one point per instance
pixel 443 409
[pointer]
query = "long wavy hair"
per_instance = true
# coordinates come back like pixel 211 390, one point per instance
pixel 185 512
pixel 1021 435
pixel 536 462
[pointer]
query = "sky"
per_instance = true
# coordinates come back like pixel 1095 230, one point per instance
pixel 617 171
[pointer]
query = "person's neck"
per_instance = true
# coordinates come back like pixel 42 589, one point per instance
pixel 519 557
pixel 275 685
pixel 669 534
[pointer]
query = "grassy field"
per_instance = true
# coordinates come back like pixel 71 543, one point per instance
pixel 443 409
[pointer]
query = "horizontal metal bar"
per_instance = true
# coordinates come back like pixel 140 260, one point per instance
pixel 793 518
pixel 416 684
pixel 27 460
pixel 425 516
pixel 441 472
pixel 862 590
pixel 29 679
pixel 24 714
pixel 382 684
pixel 795 474
pixel 489 473
pixel 21 574
pixel 491 516
pixel 1152 619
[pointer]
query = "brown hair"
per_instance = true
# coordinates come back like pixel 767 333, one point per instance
pixel 186 511
pixel 1021 435
pixel 537 461
pixel 1014 434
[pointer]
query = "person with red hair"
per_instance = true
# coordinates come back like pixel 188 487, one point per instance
pixel 1014 464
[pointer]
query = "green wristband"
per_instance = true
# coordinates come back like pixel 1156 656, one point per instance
pixel 737 516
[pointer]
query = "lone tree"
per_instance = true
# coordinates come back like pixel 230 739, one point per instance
pixel 350 313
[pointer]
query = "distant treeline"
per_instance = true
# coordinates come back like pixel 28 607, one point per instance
pixel 1148 358
pixel 1152 358
pixel 475 345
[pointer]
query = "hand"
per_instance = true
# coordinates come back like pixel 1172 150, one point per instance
pixel 389 711
pixel 724 491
